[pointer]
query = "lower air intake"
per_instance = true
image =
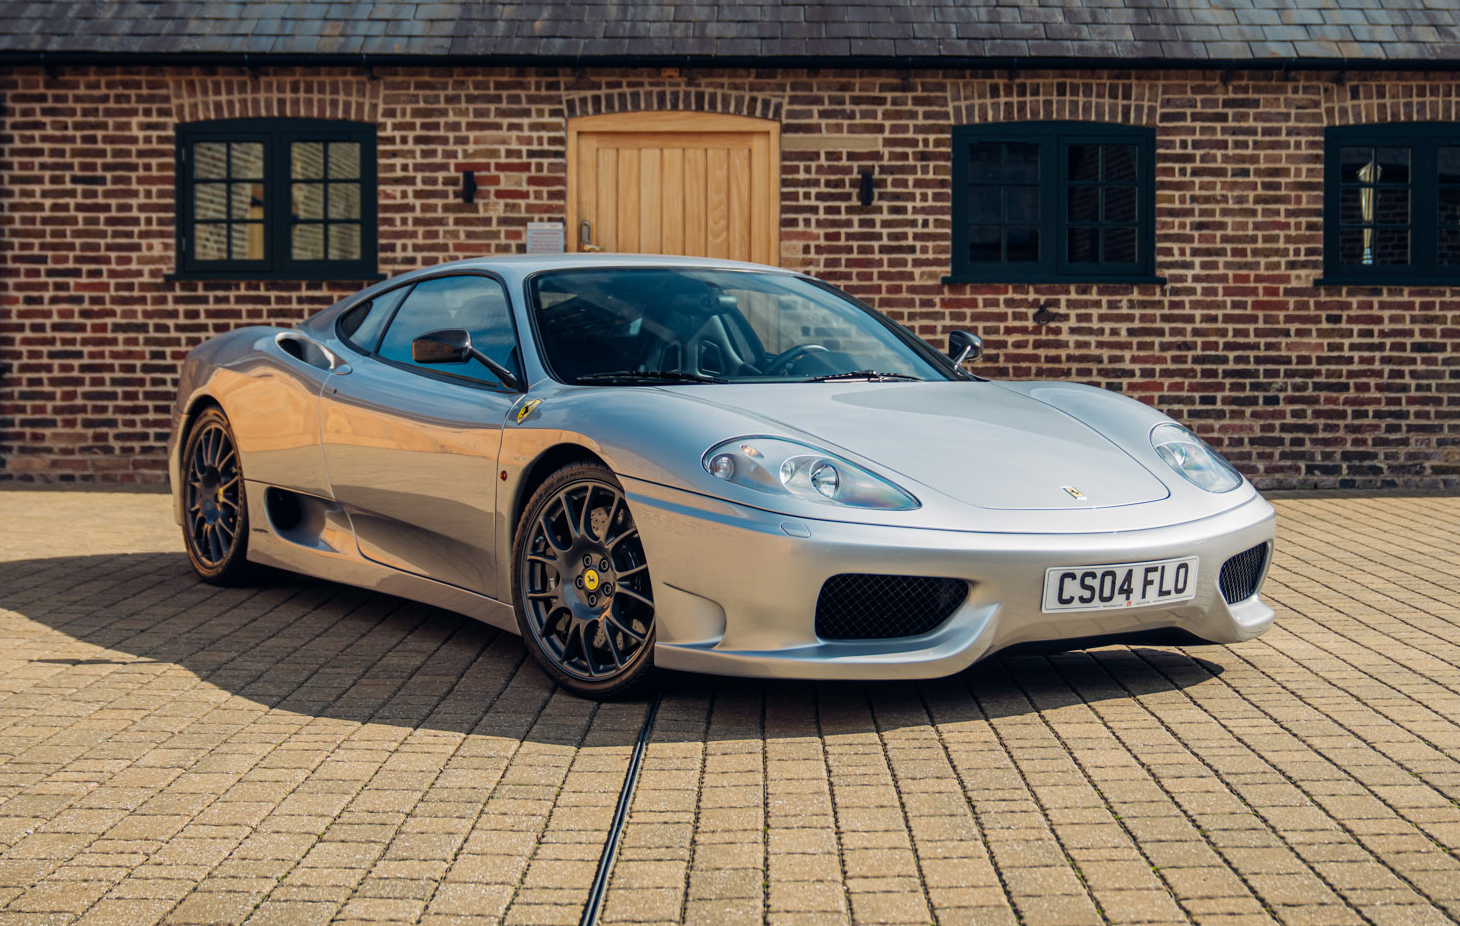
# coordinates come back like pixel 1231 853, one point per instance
pixel 1243 573
pixel 863 606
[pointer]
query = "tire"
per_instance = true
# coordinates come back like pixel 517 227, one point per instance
pixel 580 585
pixel 215 508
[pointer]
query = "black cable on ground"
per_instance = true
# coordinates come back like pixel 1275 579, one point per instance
pixel 601 877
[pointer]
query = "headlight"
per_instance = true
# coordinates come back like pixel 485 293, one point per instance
pixel 1192 458
pixel 794 470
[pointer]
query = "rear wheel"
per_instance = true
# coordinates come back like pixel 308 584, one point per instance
pixel 580 584
pixel 215 509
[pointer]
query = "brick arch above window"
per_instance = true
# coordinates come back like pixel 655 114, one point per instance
pixel 1055 99
pixel 344 96
pixel 1360 101
pixel 681 99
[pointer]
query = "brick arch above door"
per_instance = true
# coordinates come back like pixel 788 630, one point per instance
pixel 666 99
pixel 674 182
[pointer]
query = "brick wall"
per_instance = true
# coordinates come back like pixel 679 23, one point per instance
pixel 1299 385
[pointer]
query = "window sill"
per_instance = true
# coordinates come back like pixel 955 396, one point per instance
pixel 223 276
pixel 957 278
pixel 1390 281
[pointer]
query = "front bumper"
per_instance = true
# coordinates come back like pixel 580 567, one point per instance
pixel 736 587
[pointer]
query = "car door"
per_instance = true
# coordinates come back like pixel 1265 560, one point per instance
pixel 411 449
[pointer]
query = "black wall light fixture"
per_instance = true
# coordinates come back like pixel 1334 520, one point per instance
pixel 866 191
pixel 468 186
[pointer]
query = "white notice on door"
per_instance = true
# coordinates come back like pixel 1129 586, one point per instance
pixel 545 237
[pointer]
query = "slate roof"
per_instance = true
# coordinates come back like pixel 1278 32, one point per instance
pixel 916 31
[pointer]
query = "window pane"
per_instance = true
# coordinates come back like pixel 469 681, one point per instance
pixel 1120 204
pixel 1084 162
pixel 1084 204
pixel 210 159
pixel 1022 203
pixel 248 160
pixel 1449 245
pixel 1391 246
pixel 344 200
pixel 983 163
pixel 306 159
pixel 1120 245
pixel 1022 245
pixel 344 160
pixel 248 200
pixel 1355 205
pixel 1450 206
pixel 1084 245
pixel 1120 163
pixel 210 201
pixel 1355 165
pixel 1393 165
pixel 983 204
pixel 1391 207
pixel 308 242
pixel 983 244
pixel 308 200
pixel 345 242
pixel 1450 165
pixel 247 241
pixel 1353 246
pixel 210 242
pixel 1021 162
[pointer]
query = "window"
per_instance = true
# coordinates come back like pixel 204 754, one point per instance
pixel 290 199
pixel 1391 211
pixel 360 327
pixel 477 304
pixel 1038 202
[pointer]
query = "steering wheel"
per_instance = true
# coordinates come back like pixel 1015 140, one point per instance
pixel 786 359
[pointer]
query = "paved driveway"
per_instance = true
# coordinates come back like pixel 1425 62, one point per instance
pixel 306 752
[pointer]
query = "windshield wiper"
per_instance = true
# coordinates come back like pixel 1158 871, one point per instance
pixel 871 376
pixel 651 376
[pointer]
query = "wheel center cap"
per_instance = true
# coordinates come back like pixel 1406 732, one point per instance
pixel 591 580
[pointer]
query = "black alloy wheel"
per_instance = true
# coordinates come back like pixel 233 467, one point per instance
pixel 581 586
pixel 215 509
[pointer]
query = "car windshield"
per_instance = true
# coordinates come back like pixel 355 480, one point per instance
pixel 629 326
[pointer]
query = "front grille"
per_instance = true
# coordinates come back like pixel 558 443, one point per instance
pixel 1242 573
pixel 862 606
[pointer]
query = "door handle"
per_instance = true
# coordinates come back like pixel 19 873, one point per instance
pixel 585 237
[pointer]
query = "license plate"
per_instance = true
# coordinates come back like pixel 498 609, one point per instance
pixel 1121 585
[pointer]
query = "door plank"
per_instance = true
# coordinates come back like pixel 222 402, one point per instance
pixel 696 196
pixel 672 202
pixel 761 235
pixel 605 234
pixel 628 199
pixel 717 205
pixel 651 193
pixel 738 203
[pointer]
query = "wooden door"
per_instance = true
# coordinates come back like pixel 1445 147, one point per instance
pixel 696 184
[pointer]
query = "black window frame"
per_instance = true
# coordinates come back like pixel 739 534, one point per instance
pixel 1054 139
pixel 1424 139
pixel 276 134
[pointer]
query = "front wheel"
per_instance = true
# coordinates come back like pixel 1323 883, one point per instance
pixel 215 509
pixel 580 585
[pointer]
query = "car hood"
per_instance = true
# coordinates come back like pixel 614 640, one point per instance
pixel 976 442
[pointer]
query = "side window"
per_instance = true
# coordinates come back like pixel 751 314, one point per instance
pixel 477 304
pixel 361 326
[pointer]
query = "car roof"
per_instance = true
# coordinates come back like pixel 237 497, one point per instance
pixel 524 264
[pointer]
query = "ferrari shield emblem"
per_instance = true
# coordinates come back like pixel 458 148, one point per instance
pixel 1074 493
pixel 527 409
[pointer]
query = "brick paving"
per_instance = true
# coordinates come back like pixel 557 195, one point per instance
pixel 303 752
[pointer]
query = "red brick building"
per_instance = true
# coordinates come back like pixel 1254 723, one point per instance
pixel 1247 216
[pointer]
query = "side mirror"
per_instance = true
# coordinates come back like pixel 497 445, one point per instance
pixel 964 346
pixel 449 345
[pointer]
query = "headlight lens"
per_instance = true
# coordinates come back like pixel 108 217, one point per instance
pixel 795 470
pixel 1189 455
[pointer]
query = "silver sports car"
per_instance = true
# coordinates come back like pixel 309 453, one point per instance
pixel 702 465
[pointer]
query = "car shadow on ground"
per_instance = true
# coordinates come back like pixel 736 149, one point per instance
pixel 334 652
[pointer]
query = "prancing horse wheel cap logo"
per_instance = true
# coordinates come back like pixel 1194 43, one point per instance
pixel 590 580
pixel 1074 493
